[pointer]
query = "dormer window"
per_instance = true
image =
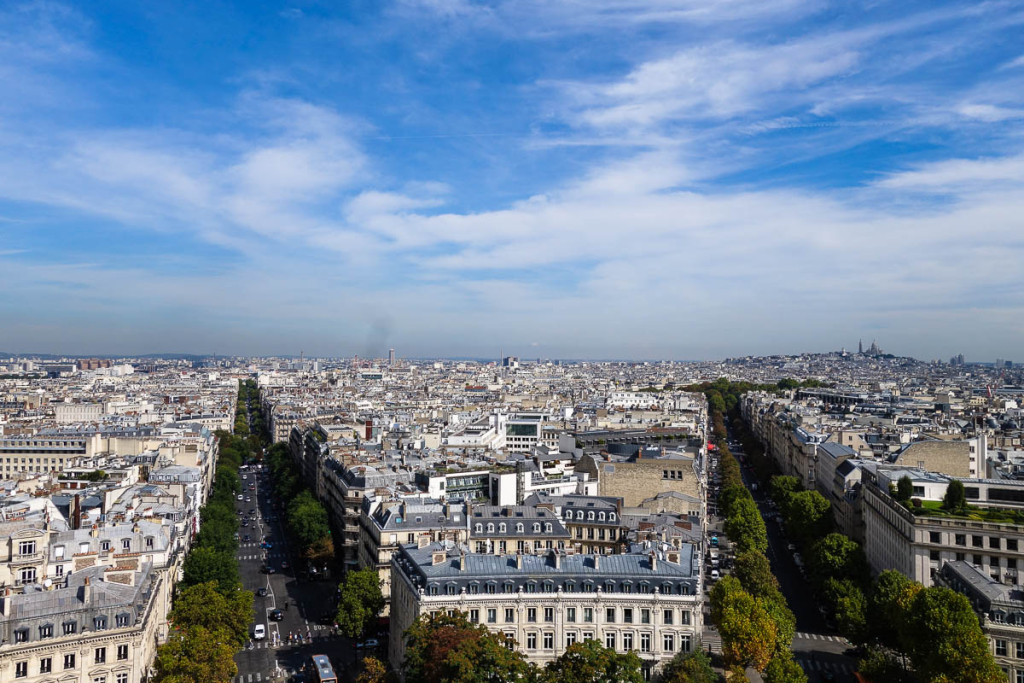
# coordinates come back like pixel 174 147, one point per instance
pixel 501 527
pixel 126 544
pixel 479 528
pixel 600 516
pixel 149 542
pixel 99 623
pixel 26 547
pixel 590 515
pixel 547 527
pixel 104 546
pixel 123 619
pixel 611 516
pixel 536 527
pixel 490 528
pixel 46 631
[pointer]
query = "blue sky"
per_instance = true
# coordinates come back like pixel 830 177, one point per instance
pixel 584 178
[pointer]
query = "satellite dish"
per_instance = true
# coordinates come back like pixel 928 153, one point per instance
pixel 47 583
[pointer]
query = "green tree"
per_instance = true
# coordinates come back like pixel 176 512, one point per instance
pixel 204 605
pixel 904 489
pixel 745 527
pixel 689 667
pixel 955 499
pixel 360 602
pixel 754 571
pixel 196 655
pixel 808 516
pixel 449 649
pixel 781 487
pixel 889 607
pixel 946 642
pixel 590 662
pixel 749 634
pixel 837 556
pixel 307 520
pixel 848 604
pixel 784 669
pixel 880 664
pixel 205 564
pixel 784 619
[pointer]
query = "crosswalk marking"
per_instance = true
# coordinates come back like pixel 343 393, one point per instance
pixel 816 665
pixel 820 636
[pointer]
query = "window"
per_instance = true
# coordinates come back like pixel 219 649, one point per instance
pixel 21 669
pixel 667 617
pixel 126 544
pixel 58 552
pixel 474 616
pixel 26 547
pixel 684 643
pixel 104 546
pixel 45 665
pixel 510 615
pixel 46 631
pixel 70 627
pixel 609 641
pixel 976 560
pixel 123 619
pixel 627 641
pixel 570 614
pixel 69 661
pixel 645 642
pixel 479 528
pixel 588 615
pixel 627 615
pixel 21 635
pixel 549 640
pixel 933 555
pixel 58 570
pixel 978 541
pixel 549 614
pixel 492 615
pixel 668 642
pixel 570 638
pixel 99 623
pixel 531 615
pixel 609 615
pixel 934 537
pixel 531 641
pixel 122 653
pixel 100 655
pixel 502 527
pixel 961 539
pixel 27 575
pixel 993 542
pixel 1020 650
pixel 102 678
pixel 684 618
pixel 645 616
pixel 1011 544
pixel 121 678
pixel 1000 648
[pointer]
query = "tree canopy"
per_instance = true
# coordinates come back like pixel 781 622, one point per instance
pixel 590 662
pixel 360 602
pixel 446 648
pixel 204 605
pixel 197 655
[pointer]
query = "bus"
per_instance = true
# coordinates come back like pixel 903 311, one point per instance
pixel 319 670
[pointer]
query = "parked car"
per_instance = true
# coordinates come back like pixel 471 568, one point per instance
pixel 240 496
pixel 715 576
pixel 276 615
pixel 259 632
pixel 368 643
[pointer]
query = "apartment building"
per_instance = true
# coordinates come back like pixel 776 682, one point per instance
pixel 648 602
pixel 1000 609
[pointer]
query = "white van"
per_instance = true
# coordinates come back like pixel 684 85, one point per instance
pixel 259 632
pixel 715 576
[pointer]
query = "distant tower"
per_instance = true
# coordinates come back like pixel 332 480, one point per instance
pixel 860 346
pixel 391 357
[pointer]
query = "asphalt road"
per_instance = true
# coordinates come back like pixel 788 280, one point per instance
pixel 816 647
pixel 301 601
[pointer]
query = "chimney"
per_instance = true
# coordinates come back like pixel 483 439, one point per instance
pixel 519 560
pixel 557 557
pixel 597 561
pixel 462 562
pixel 86 592
pixel 95 531
pixel 654 561
pixel 5 606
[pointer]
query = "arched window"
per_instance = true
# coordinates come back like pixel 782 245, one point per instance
pixel 490 528
pixel 579 514
pixel 519 528
pixel 501 527
pixel 590 515
pixel 547 527
pixel 536 527
pixel 611 516
pixel 600 516
pixel 479 528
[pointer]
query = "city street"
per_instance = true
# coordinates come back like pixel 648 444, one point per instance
pixel 302 602
pixel 816 647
